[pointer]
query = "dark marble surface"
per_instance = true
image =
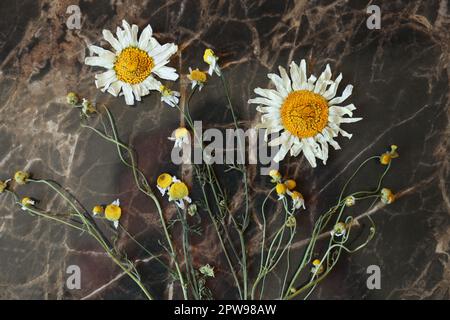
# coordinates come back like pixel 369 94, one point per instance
pixel 400 74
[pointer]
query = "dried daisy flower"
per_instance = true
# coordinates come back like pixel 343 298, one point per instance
pixel 339 229
pixel 386 157
pixel 207 270
pixel 168 96
pixel 87 107
pixel 297 199
pixel 132 65
pixel 291 222
pixel 3 186
pixel 305 111
pixel 281 189
pixel 72 98
pixel 275 175
pixel 197 77
pixel 179 193
pixel 98 210
pixel 20 177
pixel 210 58
pixel 180 136
pixel 387 196
pixel 27 202
pixel 317 268
pixel 113 212
pixel 163 182
pixel 350 201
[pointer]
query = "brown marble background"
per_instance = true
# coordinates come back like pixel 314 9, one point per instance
pixel 400 74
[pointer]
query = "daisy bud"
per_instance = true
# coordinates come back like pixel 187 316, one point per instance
pixel 87 107
pixel 27 202
pixel 290 184
pixel 207 270
pixel 192 210
pixel 72 98
pixel 20 177
pixel 113 212
pixel 291 222
pixel 197 77
pixel 350 201
pixel 339 229
pixel 387 196
pixel 275 175
pixel 281 189
pixel 317 268
pixel 3 186
pixel 163 182
pixel 98 210
pixel 386 157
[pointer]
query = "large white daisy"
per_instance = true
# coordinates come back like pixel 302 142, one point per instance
pixel 305 111
pixel 133 63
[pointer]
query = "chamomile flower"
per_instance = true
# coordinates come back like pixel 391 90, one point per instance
pixel 179 193
pixel 210 58
pixel 163 182
pixel 297 199
pixel 350 201
pixel 339 229
pixel 132 65
pixel 197 77
pixel 387 196
pixel 180 136
pixel 386 157
pixel 169 96
pixel 113 212
pixel 318 267
pixel 87 107
pixel 281 189
pixel 305 111
pixel 27 202
pixel 3 185
pixel 275 175
pixel 98 210
pixel 21 177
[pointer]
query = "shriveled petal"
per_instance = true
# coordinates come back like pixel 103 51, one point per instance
pixel 128 93
pixel 347 92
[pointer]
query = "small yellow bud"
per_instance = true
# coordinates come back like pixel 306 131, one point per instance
pixel 350 201
pixel 72 98
pixel 113 212
pixel 275 175
pixel 281 189
pixel 387 196
pixel 290 184
pixel 98 210
pixel 3 186
pixel 20 177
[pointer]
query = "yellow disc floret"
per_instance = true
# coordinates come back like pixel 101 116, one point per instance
pixel 304 113
pixel 133 65
pixel 178 191
pixel 197 75
pixel 164 180
pixel 275 175
pixel 113 212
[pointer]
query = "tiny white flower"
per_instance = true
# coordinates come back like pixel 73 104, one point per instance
pixel 168 96
pixel 180 136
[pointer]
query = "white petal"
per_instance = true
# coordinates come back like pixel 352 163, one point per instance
pixel 264 101
pixel 144 39
pixel 115 87
pixel 309 153
pixel 296 78
pixel 108 36
pixel 99 62
pixel 303 76
pixel 128 93
pixel 167 73
pixel 347 92
pixel 105 79
pixel 285 78
pixel 331 92
pixel 278 82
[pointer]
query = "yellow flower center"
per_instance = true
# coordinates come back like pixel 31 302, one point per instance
pixel 197 75
pixel 97 210
pixel 178 191
pixel 164 180
pixel 113 212
pixel 133 65
pixel 304 113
